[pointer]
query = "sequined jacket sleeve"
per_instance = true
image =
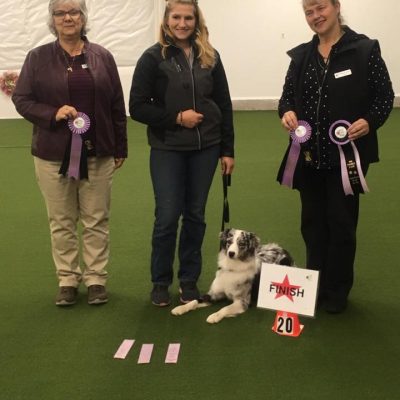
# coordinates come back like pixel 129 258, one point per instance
pixel 287 100
pixel 380 86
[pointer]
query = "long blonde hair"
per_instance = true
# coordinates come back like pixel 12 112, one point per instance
pixel 206 53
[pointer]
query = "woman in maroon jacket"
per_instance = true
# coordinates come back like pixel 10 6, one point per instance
pixel 71 92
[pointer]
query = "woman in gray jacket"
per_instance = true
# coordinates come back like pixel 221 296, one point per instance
pixel 180 91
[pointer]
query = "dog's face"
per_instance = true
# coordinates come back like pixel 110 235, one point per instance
pixel 238 244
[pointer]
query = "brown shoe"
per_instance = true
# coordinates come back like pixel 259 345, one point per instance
pixel 66 296
pixel 97 294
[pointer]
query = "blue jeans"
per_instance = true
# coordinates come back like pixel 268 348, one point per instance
pixel 181 183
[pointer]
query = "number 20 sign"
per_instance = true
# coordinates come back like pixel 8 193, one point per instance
pixel 287 324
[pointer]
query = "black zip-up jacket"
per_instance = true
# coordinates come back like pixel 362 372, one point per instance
pixel 162 87
pixel 351 95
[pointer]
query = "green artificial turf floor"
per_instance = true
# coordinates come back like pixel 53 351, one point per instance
pixel 52 353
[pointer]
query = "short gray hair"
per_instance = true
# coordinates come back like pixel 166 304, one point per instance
pixel 53 4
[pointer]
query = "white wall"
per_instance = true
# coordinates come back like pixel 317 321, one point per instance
pixel 252 37
pixel 125 27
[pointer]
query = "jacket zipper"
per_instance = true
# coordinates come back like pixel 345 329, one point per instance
pixel 317 123
pixel 193 95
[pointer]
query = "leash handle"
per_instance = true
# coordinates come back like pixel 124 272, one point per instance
pixel 226 181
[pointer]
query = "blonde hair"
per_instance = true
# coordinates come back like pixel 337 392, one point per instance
pixel 333 2
pixel 206 53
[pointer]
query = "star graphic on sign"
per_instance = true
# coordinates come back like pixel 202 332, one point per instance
pixel 284 288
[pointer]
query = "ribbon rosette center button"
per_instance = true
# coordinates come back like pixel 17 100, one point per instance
pixel 301 131
pixel 79 123
pixel 340 132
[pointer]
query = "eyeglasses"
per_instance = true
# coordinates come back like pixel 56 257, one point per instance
pixel 72 13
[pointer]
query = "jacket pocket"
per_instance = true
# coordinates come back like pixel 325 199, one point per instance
pixel 182 137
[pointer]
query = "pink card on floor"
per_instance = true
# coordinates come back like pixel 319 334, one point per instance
pixel 124 348
pixel 172 353
pixel 145 353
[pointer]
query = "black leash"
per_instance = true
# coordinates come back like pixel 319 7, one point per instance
pixel 226 181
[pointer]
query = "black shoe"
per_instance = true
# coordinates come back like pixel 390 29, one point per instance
pixel 189 292
pixel 160 296
pixel 335 305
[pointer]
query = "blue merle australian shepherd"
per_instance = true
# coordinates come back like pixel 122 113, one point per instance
pixel 237 277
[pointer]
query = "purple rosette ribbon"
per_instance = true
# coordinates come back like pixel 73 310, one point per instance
pixel 299 135
pixel 338 135
pixel 78 126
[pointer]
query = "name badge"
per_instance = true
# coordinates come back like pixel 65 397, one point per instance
pixel 341 74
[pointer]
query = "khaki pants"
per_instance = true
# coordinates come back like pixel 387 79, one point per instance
pixel 68 201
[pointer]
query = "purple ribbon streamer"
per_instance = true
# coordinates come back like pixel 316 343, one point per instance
pixel 75 156
pixel 348 190
pixel 359 169
pixel 78 126
pixel 299 135
pixel 345 176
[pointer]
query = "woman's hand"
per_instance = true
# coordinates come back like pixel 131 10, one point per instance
pixel 227 165
pixel 189 118
pixel 289 121
pixel 66 112
pixel 358 129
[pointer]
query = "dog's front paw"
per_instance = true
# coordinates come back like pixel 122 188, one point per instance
pixel 179 310
pixel 184 308
pixel 214 318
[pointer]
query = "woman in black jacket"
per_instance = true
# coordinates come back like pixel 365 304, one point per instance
pixel 337 93
pixel 179 89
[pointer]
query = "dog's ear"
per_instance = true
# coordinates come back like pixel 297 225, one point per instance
pixel 254 240
pixel 223 236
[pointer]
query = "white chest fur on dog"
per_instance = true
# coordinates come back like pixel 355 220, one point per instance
pixel 232 275
pixel 239 263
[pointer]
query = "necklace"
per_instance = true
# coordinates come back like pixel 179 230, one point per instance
pixel 322 48
pixel 70 65
pixel 325 63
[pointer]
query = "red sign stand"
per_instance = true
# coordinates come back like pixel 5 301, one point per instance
pixel 287 324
